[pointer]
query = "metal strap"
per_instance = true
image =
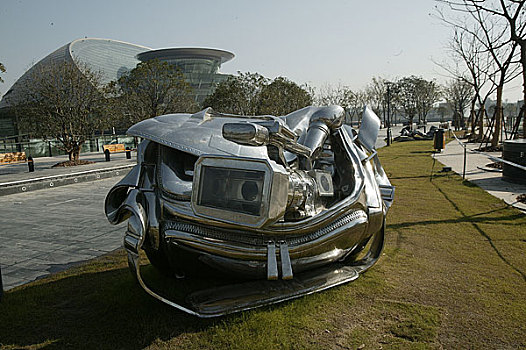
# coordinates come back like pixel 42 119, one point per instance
pixel 272 264
pixel 286 266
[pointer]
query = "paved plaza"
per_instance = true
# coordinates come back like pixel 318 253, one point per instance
pixel 47 226
pixel 48 230
pixel 477 172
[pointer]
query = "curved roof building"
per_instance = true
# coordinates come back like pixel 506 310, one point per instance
pixel 200 66
pixel 113 58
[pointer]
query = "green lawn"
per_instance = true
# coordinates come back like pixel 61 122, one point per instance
pixel 453 275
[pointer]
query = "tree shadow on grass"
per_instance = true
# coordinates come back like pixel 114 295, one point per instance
pixel 477 218
pixel 422 152
pixel 474 222
pixel 103 310
pixel 417 177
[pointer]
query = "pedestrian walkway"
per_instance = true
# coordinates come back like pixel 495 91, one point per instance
pixel 47 231
pixel 477 172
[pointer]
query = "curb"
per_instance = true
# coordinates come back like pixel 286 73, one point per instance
pixel 22 186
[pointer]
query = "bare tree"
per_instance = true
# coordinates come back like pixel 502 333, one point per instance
pixel 512 12
pixel 356 105
pixel 480 68
pixel 63 101
pixel 338 95
pixel 497 37
pixel 376 92
pixel 2 70
pixel 334 95
pixel 458 94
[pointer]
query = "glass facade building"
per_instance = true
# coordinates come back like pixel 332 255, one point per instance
pixel 200 66
pixel 113 58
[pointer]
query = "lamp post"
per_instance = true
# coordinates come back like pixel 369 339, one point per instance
pixel 388 113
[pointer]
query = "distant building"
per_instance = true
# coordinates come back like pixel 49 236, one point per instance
pixel 112 59
pixel 200 66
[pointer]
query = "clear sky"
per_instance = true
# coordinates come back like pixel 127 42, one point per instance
pixel 308 41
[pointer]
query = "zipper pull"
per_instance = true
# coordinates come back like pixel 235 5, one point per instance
pixel 272 264
pixel 286 266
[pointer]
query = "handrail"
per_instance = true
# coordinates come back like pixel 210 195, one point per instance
pixel 522 167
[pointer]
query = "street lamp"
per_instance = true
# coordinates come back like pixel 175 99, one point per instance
pixel 388 113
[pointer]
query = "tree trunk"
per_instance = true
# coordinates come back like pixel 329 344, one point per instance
pixel 74 155
pixel 482 114
pixel 472 118
pixel 498 118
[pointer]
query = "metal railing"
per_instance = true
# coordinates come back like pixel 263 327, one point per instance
pixel 50 148
pixel 497 159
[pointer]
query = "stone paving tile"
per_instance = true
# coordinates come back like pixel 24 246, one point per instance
pixel 77 251
pixel 22 273
pixel 12 256
pixel 60 257
pixel 11 282
pixel 34 264
pixel 36 245
pixel 49 230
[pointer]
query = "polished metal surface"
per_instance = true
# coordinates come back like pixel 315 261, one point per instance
pixel 369 129
pixel 290 200
pixel 249 134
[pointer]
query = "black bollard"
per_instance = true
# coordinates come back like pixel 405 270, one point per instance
pixel 107 154
pixel 30 164
pixel 439 139
pixel 128 153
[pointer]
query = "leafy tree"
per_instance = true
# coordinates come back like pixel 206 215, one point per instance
pixel 428 93
pixel 407 97
pixel 238 94
pixel 282 96
pixel 152 88
pixel 416 96
pixel 63 101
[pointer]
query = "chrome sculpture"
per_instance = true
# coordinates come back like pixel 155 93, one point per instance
pixel 292 205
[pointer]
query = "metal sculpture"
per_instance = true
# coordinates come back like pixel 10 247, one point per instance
pixel 292 205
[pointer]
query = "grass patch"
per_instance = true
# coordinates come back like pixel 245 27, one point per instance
pixel 415 323
pixel 452 276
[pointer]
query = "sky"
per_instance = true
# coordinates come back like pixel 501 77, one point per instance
pixel 346 42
